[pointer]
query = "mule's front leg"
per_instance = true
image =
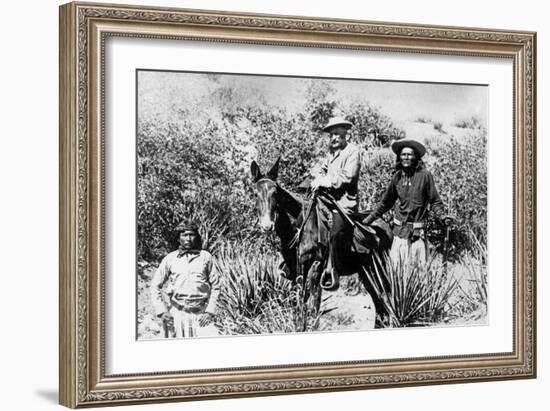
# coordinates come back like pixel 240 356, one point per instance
pixel 313 288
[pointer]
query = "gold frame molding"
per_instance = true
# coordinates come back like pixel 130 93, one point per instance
pixel 83 30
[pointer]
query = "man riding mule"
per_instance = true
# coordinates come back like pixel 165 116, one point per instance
pixel 301 228
pixel 341 177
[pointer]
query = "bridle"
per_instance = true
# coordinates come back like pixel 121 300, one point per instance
pixel 265 207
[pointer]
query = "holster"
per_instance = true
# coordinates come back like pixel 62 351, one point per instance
pixel 415 229
pixel 417 234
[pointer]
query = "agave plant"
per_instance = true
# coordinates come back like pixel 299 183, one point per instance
pixel 418 295
pixel 255 298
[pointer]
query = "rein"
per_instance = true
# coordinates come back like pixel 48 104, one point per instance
pixel 306 213
pixel 298 236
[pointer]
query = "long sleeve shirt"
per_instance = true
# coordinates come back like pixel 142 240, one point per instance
pixel 416 193
pixel 185 277
pixel 342 172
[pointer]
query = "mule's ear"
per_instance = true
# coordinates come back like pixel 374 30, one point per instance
pixel 274 172
pixel 255 171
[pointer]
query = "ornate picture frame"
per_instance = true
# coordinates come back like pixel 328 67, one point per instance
pixel 85 28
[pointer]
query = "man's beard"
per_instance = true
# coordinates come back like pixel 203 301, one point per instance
pixel 411 167
pixel 336 147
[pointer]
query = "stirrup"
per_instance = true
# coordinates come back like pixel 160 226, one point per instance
pixel 283 270
pixel 329 280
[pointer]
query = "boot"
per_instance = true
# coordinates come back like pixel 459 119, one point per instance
pixel 283 270
pixel 330 280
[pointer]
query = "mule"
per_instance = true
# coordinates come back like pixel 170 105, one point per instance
pixel 304 239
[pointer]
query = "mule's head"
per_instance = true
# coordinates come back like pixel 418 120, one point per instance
pixel 266 191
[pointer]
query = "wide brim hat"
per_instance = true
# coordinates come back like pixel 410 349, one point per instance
pixel 337 121
pixel 398 145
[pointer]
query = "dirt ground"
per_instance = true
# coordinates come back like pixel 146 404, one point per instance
pixel 352 309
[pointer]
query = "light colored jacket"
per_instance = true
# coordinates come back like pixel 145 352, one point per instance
pixel 342 171
pixel 185 280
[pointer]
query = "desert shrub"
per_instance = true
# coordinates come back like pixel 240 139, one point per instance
pixel 438 126
pixel 473 123
pixel 319 114
pixel 185 171
pixel 377 169
pixel 319 104
pixel 460 172
pixel 277 134
pixel 371 127
pixel 423 120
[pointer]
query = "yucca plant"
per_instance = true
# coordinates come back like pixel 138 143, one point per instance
pixel 255 299
pixel 418 295
pixel 288 315
pixel 248 279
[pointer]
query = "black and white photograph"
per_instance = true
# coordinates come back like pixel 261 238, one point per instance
pixel 273 204
pixel 269 205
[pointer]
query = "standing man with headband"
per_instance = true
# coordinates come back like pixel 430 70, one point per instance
pixel 184 289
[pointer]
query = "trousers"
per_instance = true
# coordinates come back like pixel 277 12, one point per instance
pixel 186 324
pixel 405 251
pixel 341 235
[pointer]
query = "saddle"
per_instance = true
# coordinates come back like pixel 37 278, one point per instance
pixel 377 235
pixel 366 238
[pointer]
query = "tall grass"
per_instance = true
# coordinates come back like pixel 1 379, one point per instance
pixel 255 299
pixel 418 294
